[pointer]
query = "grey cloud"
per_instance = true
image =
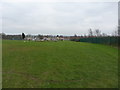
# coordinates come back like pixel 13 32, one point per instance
pixel 58 18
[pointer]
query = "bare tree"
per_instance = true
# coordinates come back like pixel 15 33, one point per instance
pixel 115 33
pixel 104 34
pixel 75 35
pixel 90 32
pixel 97 32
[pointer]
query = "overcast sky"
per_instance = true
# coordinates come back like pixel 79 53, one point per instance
pixel 63 18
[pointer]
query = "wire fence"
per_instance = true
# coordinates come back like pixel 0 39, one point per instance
pixel 109 40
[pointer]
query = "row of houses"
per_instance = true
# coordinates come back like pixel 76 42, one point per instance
pixel 34 37
pixel 48 38
pixel 37 37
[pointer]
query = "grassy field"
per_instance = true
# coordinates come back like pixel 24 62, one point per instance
pixel 60 64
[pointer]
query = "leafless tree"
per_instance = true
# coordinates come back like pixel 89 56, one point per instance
pixel 97 32
pixel 115 33
pixel 90 32
pixel 104 34
pixel 75 35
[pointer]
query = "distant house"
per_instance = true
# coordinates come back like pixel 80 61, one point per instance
pixel 46 38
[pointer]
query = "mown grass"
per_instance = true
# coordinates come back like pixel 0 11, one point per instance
pixel 64 64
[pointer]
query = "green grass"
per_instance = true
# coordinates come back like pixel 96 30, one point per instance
pixel 64 64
